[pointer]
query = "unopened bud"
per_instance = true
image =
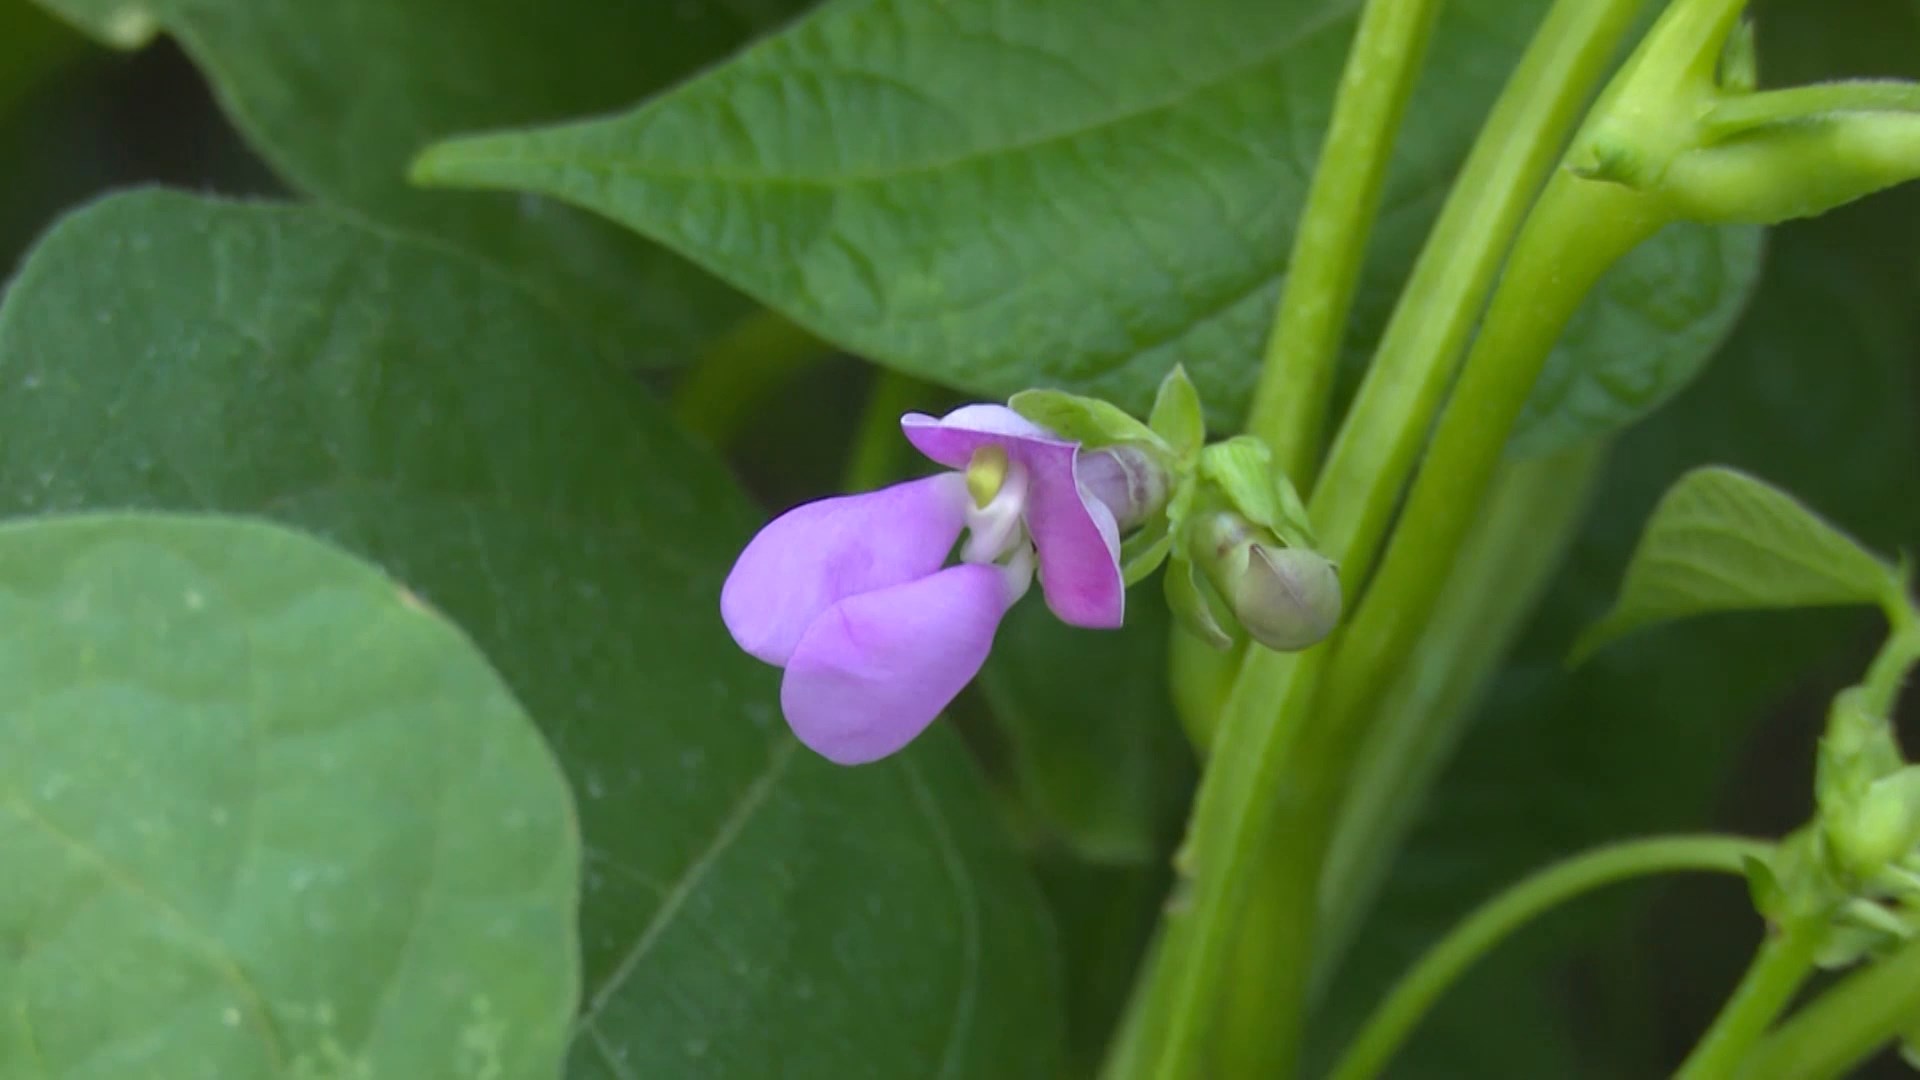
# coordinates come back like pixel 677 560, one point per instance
pixel 1875 831
pixel 1133 483
pixel 1287 598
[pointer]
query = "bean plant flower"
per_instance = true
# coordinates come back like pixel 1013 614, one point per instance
pixel 855 598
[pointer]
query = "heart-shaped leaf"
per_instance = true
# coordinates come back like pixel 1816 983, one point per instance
pixel 264 813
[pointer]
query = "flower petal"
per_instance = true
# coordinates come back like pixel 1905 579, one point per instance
pixel 817 554
pixel 875 669
pixel 1079 540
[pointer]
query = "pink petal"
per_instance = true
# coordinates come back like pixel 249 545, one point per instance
pixel 875 669
pixel 817 554
pixel 1078 539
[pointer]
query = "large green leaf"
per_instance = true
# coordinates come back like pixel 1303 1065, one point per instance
pixel 748 909
pixel 338 95
pixel 1721 540
pixel 1641 337
pixel 1096 748
pixel 264 813
pixel 1072 192
pixel 1639 739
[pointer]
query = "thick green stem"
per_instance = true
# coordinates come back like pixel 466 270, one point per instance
pixel 1374 452
pixel 878 447
pixel 1783 963
pixel 1401 1011
pixel 1266 784
pixel 1290 402
pixel 1843 1026
pixel 1578 230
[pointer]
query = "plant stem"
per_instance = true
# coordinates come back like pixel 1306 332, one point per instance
pixel 1843 1026
pixel 1265 785
pixel 1296 380
pixel 1784 961
pixel 1374 452
pixel 1578 230
pixel 1896 657
pixel 877 444
pixel 1743 112
pixel 1402 1009
pixel 739 370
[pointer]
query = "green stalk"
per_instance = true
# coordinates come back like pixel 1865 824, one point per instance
pixel 1841 1028
pixel 1265 780
pixel 1578 230
pixel 1296 378
pixel 878 448
pixel 1402 1009
pixel 739 370
pixel 1374 452
pixel 1888 672
pixel 1784 961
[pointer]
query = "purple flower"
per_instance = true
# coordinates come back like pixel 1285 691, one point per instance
pixel 849 594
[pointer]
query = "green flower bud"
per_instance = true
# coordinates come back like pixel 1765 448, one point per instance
pixel 1286 598
pixel 1873 831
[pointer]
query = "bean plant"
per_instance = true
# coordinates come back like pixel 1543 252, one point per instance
pixel 1140 539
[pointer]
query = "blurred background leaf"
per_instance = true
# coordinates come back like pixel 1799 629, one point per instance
pixel 337 96
pixel 266 814
pixel 747 908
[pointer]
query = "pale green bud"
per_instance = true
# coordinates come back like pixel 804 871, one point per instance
pixel 1286 598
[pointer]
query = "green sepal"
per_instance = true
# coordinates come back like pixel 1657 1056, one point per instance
pixel 1088 421
pixel 1177 416
pixel 1739 60
pixel 1143 552
pixel 1763 886
pixel 1195 606
pixel 1242 469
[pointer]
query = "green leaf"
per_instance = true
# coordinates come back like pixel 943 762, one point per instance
pixel 747 908
pixel 1097 750
pixel 265 813
pixel 1076 193
pixel 1106 916
pixel 1641 336
pixel 1724 541
pixel 338 95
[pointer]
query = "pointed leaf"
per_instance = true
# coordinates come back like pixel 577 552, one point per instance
pixel 264 813
pixel 963 191
pixel 1177 416
pixel 1723 541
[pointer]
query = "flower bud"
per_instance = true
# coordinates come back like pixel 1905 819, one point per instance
pixel 1287 598
pixel 1877 829
pixel 1132 483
